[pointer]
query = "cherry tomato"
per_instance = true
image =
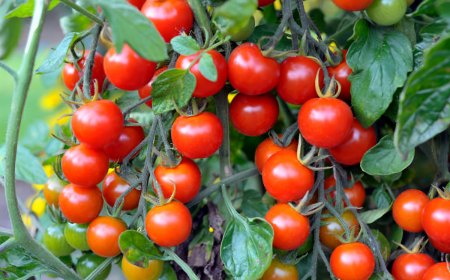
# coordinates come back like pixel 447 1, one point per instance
pixel 352 261
pixel 80 205
pixel 341 72
pixel 331 228
pixel 127 70
pixel 325 122
pixel 444 247
pixel 387 12
pixel 84 166
pixel 52 190
pixel 242 32
pixel 291 229
pixel 133 272
pixel 352 150
pixel 55 241
pixel 205 87
pixel 411 266
pixel 97 123
pixel 355 194
pixel 407 209
pixel 103 236
pixel 268 148
pixel 170 17
pixel 351 5
pixel 438 271
pixel 185 177
pixel 254 115
pixel 297 77
pixel 436 220
pixel 169 225
pixel 137 3
pixel 280 271
pixel 129 138
pixel 114 186
pixel 146 90
pixel 250 72
pixel 88 263
pixel 285 178
pixel 262 3
pixel 75 235
pixel 197 136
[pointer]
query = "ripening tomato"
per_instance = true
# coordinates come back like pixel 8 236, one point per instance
pixel 137 3
pixel 351 5
pixel 285 178
pixel 103 236
pixel 127 70
pixel 280 271
pixel 298 73
pixel 325 122
pixel 250 72
pixel 146 90
pixel 254 115
pixel 75 235
pixel 352 261
pixel 411 266
pixel 84 166
pixel 268 148
pixel 356 194
pixel 205 87
pixel 407 209
pixel 170 17
pixel 129 138
pixel 185 178
pixel 114 186
pixel 436 220
pixel 341 72
pixel 197 136
pixel 80 205
pixel 88 263
pixel 97 123
pixel 55 241
pixel 359 141
pixel 438 271
pixel 331 228
pixel 134 272
pixel 291 229
pixel 169 225
pixel 387 12
pixel 52 190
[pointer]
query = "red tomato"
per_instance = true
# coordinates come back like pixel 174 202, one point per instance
pixel 262 3
pixel 436 220
pixel 297 79
pixel 137 3
pixel 356 194
pixel 80 205
pixel 129 138
pixel 341 72
pixel 146 90
pixel 268 148
pixel 325 122
pixel 113 186
pixel 280 271
pixel 291 229
pixel 352 150
pixel 285 178
pixel 438 271
pixel 205 87
pixel 186 177
pixel 169 225
pixel 351 5
pixel 411 266
pixel 254 115
pixel 352 261
pixel 103 236
pixel 84 166
pixel 250 72
pixel 407 209
pixel 170 17
pixel 97 123
pixel 331 228
pixel 197 136
pixel 127 70
pixel 444 247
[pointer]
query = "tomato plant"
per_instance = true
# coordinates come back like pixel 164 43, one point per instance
pixel 349 5
pixel 152 271
pixel 55 241
pixel 356 194
pixel 129 138
pixel 341 73
pixel 437 271
pixel 80 205
pixel 279 270
pixel 407 210
pixel 75 235
pixel 71 75
pixel 411 266
pixel 387 12
pixel 103 235
pixel 268 148
pixel 114 186
pixel 352 261
pixel 88 263
pixel 436 218
pixel 146 90
pixel 332 229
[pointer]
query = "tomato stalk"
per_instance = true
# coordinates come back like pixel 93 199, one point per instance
pixel 83 11
pixel 10 71
pixel 173 256
pixel 90 62
pixel 201 18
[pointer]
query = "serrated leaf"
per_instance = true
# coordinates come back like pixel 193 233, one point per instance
pixel 233 13
pixel 371 216
pixel 381 59
pixel 26 9
pixel 138 248
pixel 55 59
pixel 184 45
pixel 207 67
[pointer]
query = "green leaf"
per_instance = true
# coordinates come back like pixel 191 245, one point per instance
pixel 75 22
pixel 396 236
pixel 55 59
pixel 425 102
pixel 138 248
pixel 381 59
pixel 381 198
pixel 184 45
pixel 371 216
pixel 26 9
pixel 383 159
pixel 130 26
pixel 173 88
pixel 168 273
pixel 10 31
pixel 427 7
pixel 246 249
pixel 251 204
pixel 430 34
pixel 234 13
pixel 207 67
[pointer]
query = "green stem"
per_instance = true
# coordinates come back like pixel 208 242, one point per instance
pixel 7 244
pixel 10 71
pixel 90 62
pixel 190 273
pixel 201 18
pixel 83 11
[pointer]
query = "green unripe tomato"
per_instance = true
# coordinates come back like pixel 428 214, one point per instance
pixel 241 32
pixel 55 241
pixel 76 236
pixel 88 263
pixel 387 12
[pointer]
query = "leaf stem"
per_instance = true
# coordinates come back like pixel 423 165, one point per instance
pixel 83 11
pixel 190 273
pixel 10 71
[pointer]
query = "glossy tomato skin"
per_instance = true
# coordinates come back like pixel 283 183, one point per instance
pixel 103 236
pixel 297 79
pixel 205 87
pixel 52 190
pixel 114 186
pixel 55 241
pixel 359 141
pixel 71 76
pixel 325 122
pixel 170 17
pixel 351 5
pixel 169 225
pixel 97 123
pixel 411 266
pixel 436 220
pixel 84 166
pixel 137 3
pixel 438 271
pixel 254 115
pixel 280 271
pixel 185 176
pixel 291 229
pixel 407 209
pixel 387 12
pixel 146 90
pixel 268 148
pixel 129 138
pixel 127 70
pixel 443 247
pixel 133 272
pixel 352 261
pixel 197 136
pixel 341 72
pixel 355 194
pixel 80 205
pixel 88 263
pixel 75 235
pixel 332 228
pixel 250 72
